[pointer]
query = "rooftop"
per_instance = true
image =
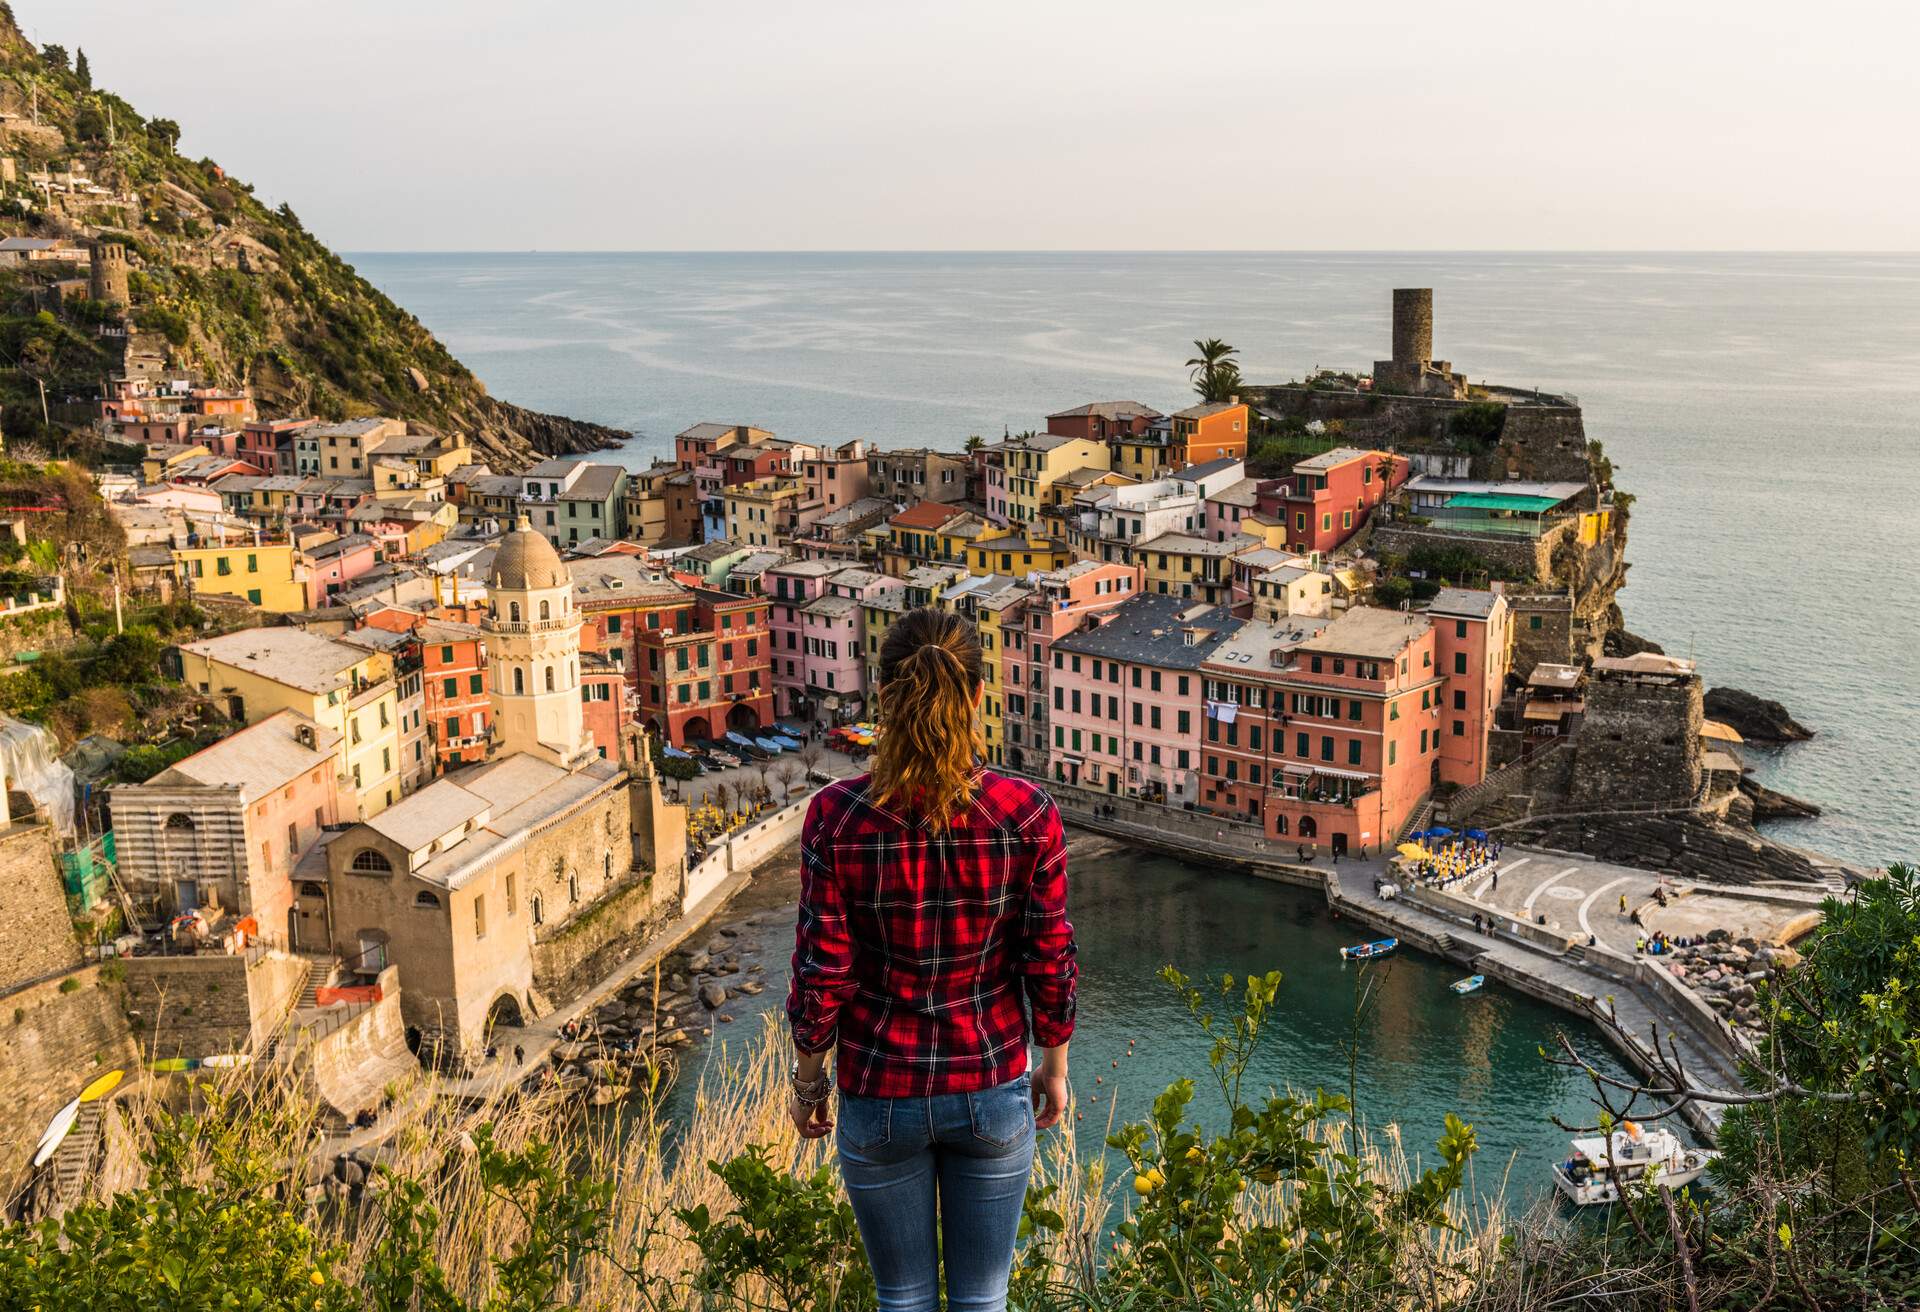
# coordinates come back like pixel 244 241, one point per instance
pixel 433 812
pixel 1187 545
pixel 1368 631
pixel 294 657
pixel 621 579
pixel 831 606
pixel 1109 410
pixel 1340 455
pixel 596 483
pixel 1645 662
pixel 1195 473
pixel 1427 483
pixel 1253 646
pixel 707 431
pixel 258 759
pixel 1463 603
pixel 347 428
pixel 1207 410
pixel 1554 678
pixel 1153 629
pixel 926 515
pixel 1243 493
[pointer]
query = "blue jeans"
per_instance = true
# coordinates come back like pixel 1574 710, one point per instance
pixel 969 1152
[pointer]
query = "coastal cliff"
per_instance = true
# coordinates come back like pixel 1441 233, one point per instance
pixel 212 281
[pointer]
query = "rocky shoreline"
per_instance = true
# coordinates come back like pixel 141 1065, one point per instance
pixel 1726 972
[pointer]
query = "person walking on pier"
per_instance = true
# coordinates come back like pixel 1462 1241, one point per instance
pixel 932 946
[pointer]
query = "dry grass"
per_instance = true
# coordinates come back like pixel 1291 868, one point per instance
pixel 741 1100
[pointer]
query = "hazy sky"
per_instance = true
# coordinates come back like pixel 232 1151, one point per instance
pixel 1205 124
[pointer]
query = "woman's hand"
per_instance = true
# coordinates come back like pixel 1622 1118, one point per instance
pixel 1050 1087
pixel 815 1122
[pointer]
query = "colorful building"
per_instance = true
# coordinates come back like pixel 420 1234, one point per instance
pixel 1017 555
pixel 1126 701
pixel 1214 431
pixel 1473 638
pixel 1329 496
pixel 273 576
pixel 1021 470
pixel 346 690
pixel 707 668
pixel 1326 732
pixel 1057 605
pixel 930 533
pixel 1181 565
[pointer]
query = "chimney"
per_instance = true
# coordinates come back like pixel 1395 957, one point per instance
pixel 1234 399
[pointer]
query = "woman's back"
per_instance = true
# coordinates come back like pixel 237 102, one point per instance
pixel 929 941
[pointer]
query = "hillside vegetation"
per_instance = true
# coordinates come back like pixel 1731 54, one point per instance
pixel 220 283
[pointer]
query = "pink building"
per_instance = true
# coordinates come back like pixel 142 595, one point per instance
pixel 1062 603
pixel 227 825
pixel 835 478
pixel 606 705
pixel 1228 507
pixel 790 587
pixel 331 566
pixel 1473 640
pixel 830 637
pixel 1126 703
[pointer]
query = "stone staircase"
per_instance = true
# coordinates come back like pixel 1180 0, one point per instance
pixel 1444 942
pixel 319 971
pixel 1416 820
pixel 73 1163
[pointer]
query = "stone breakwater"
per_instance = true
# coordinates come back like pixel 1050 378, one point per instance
pixel 1725 973
pixel 615 1049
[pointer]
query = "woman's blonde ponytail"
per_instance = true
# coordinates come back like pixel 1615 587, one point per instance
pixel 930 674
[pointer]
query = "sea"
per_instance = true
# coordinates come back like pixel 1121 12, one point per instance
pixel 1762 409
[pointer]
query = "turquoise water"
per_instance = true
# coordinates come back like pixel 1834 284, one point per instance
pixel 1422 1051
pixel 1760 406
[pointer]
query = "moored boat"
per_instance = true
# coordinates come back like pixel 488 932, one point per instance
pixel 1470 984
pixel 1363 951
pixel 1591 1177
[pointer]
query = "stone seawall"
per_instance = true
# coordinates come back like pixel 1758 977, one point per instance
pixel 1528 560
pixel 55 1036
pixel 1684 843
pixel 567 962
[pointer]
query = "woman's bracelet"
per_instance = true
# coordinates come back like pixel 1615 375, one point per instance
pixel 809 1093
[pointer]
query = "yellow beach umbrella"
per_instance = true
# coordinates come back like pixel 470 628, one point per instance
pixel 1412 851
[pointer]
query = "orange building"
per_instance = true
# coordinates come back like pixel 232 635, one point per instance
pixel 1326 733
pixel 1473 637
pixel 1215 431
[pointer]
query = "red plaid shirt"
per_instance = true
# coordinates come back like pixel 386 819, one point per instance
pixel 915 950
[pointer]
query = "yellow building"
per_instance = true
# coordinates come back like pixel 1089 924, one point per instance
pixel 257 673
pixel 1178 565
pixel 764 512
pixel 987 623
pixel 877 614
pixel 1034 464
pixel 1017 554
pixel 163 458
pixel 929 533
pixel 1142 457
pixel 272 577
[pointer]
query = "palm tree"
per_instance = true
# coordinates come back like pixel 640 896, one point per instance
pixel 974 443
pixel 1213 371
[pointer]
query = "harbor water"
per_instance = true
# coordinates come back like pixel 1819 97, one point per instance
pixel 1418 1050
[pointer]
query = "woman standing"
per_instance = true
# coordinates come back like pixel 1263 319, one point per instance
pixel 933 943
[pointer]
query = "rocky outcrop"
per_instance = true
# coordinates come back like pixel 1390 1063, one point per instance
pixel 1756 719
pixel 1622 642
pixel 1770 805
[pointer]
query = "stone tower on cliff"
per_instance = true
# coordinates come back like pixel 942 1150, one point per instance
pixel 1413 371
pixel 533 652
pixel 107 276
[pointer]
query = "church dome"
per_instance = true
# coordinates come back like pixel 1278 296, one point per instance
pixel 526 561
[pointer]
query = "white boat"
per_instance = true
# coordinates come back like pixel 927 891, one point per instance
pixel 1588 1177
pixel 1470 984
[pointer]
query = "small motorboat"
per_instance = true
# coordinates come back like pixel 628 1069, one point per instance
pixel 1366 951
pixel 1586 1179
pixel 1471 984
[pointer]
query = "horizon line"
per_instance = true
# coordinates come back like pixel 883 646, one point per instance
pixel 1096 250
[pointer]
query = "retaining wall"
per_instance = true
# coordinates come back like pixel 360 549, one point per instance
pixel 55 1036
pixel 745 850
pixel 350 1066
pixel 569 961
pixel 210 1003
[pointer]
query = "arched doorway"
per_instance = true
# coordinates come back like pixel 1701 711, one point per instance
pixel 743 719
pixel 505 1011
pixel 1308 829
pixel 696 729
